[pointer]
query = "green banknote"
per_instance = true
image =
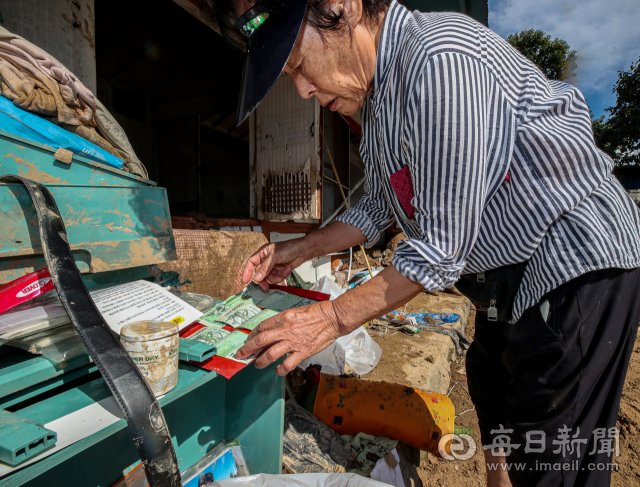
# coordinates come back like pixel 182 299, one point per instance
pixel 210 335
pixel 230 344
pixel 304 302
pixel 257 319
pixel 228 347
pixel 219 309
pixel 279 301
pixel 238 314
pixel 254 294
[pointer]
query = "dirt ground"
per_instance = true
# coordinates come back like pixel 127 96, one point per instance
pixel 438 472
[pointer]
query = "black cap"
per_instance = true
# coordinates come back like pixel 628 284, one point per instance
pixel 271 28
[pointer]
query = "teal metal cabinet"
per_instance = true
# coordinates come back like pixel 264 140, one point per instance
pixel 117 224
pixel 202 410
pixel 114 220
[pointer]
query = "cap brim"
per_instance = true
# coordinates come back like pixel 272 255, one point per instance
pixel 268 50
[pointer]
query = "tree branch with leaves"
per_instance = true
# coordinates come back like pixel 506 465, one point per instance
pixel 554 57
pixel 619 135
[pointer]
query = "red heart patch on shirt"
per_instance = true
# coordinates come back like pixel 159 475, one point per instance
pixel 402 184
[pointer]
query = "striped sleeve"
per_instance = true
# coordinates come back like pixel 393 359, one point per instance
pixel 372 214
pixel 459 128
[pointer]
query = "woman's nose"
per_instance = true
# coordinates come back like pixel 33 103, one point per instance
pixel 304 87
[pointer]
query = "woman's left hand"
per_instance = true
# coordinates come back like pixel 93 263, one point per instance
pixel 302 332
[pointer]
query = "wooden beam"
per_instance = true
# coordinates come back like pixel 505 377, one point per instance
pixel 354 126
pixel 193 7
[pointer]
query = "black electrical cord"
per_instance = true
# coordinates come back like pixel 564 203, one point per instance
pixel 128 386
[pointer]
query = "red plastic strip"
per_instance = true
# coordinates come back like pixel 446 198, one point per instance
pixel 25 288
pixel 303 293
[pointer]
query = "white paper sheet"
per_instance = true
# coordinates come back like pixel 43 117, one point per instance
pixel 142 300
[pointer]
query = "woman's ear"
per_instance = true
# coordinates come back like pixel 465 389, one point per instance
pixel 352 11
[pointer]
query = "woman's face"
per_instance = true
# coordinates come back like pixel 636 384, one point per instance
pixel 339 70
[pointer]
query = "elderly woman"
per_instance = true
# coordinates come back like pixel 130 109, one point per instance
pixel 509 199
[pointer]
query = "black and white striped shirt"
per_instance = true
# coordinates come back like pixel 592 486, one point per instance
pixel 503 162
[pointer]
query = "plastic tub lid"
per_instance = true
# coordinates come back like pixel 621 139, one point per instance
pixel 144 331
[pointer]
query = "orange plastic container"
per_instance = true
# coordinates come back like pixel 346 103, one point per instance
pixel 350 406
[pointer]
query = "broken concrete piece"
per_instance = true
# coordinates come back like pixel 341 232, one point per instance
pixel 422 360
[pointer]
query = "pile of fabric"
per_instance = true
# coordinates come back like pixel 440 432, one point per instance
pixel 35 81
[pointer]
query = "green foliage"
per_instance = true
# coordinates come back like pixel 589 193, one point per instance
pixel 619 135
pixel 554 57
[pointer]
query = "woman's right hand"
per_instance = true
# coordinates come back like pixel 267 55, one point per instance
pixel 274 262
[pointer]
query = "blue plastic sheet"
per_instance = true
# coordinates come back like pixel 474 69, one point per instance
pixel 20 122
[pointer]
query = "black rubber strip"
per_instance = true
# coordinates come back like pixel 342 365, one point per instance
pixel 128 386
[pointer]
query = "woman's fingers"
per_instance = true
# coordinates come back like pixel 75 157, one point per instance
pixel 274 353
pixel 261 337
pixel 291 363
pixel 268 324
pixel 264 285
pixel 257 343
pixel 263 268
pixel 256 264
pixel 273 263
pixel 272 278
pixel 303 332
pixel 278 274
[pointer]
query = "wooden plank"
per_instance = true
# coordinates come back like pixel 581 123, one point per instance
pixel 286 227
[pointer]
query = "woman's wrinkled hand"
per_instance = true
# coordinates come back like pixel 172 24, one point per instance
pixel 302 332
pixel 274 262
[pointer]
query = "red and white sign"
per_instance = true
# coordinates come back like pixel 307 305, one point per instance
pixel 25 288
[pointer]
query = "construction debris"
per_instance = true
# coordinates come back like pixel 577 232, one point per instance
pixel 309 446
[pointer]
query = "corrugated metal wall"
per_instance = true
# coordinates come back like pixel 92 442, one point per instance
pixel 63 28
pixel 287 158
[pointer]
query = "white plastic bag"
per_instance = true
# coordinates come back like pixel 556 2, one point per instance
pixel 58 345
pixel 387 470
pixel 300 480
pixel 328 286
pixel 356 349
pixel 22 321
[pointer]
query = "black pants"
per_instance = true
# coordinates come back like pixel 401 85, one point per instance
pixel 552 387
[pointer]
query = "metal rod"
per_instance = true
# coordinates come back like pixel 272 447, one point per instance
pixel 335 213
pixel 344 198
pixel 334 181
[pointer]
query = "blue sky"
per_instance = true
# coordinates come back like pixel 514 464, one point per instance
pixel 605 34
